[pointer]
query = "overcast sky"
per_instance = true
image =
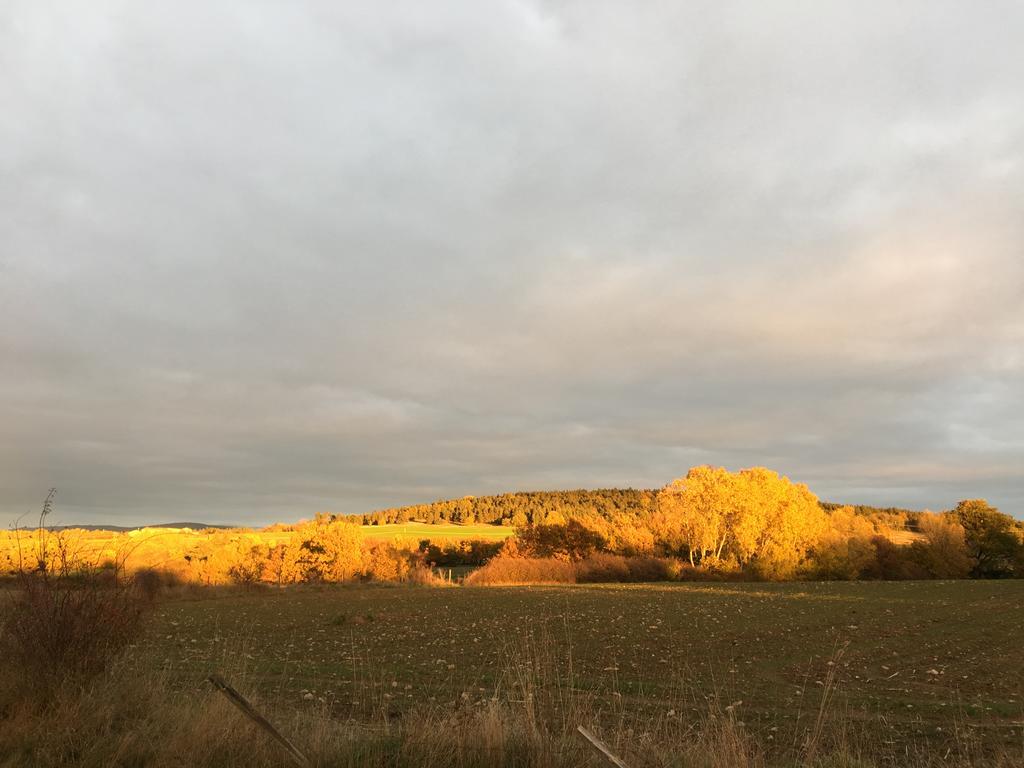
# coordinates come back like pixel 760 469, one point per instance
pixel 260 259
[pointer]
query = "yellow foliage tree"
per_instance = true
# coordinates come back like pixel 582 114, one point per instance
pixel 844 550
pixel 776 523
pixel 761 519
pixel 327 551
pixel 944 552
pixel 693 513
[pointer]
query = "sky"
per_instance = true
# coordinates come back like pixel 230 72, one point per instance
pixel 263 259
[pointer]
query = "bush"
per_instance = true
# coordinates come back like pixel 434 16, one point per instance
pixel 59 631
pixel 385 562
pixel 457 553
pixel 248 569
pixel 642 568
pixel 524 570
pixel 605 568
pixel 943 553
pixel 569 541
pixel 844 550
pixel 151 582
pixel 892 562
pixel 601 568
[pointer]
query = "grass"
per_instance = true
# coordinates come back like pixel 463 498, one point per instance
pixel 442 532
pixel 124 721
pixel 912 667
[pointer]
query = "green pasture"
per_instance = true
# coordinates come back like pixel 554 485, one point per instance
pixel 436 533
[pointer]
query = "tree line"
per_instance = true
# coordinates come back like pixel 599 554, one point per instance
pixel 753 523
pixel 756 523
pixel 519 509
pixel 524 508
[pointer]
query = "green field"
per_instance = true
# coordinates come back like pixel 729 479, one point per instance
pixel 913 666
pixel 438 533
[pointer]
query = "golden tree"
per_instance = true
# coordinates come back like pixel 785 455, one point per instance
pixel 760 518
pixel 845 551
pixel 944 551
pixel 694 513
pixel 777 522
pixel 327 551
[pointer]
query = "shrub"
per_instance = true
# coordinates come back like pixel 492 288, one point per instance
pixel 59 631
pixel 568 541
pixel 603 568
pixel 892 562
pixel 247 571
pixel 328 551
pixel 151 582
pixel 642 568
pixel 524 570
pixel 943 553
pixel 600 568
pixel 456 553
pixel 844 550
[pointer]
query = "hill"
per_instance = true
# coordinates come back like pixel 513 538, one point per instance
pixel 522 508
pixel 125 528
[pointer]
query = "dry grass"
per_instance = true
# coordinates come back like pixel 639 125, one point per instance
pixel 529 721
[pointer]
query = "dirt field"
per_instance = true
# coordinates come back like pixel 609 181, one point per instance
pixel 911 666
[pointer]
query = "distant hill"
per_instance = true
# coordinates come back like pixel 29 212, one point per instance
pixel 123 528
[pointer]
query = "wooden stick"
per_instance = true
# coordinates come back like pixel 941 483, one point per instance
pixel 249 711
pixel 601 747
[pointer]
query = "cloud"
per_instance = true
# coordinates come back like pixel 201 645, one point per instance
pixel 262 259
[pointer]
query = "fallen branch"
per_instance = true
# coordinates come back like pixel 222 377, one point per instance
pixel 601 747
pixel 249 711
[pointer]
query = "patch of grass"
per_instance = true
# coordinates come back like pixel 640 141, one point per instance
pixel 439 533
pixel 531 721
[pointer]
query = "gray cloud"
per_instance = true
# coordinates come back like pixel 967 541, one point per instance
pixel 261 259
